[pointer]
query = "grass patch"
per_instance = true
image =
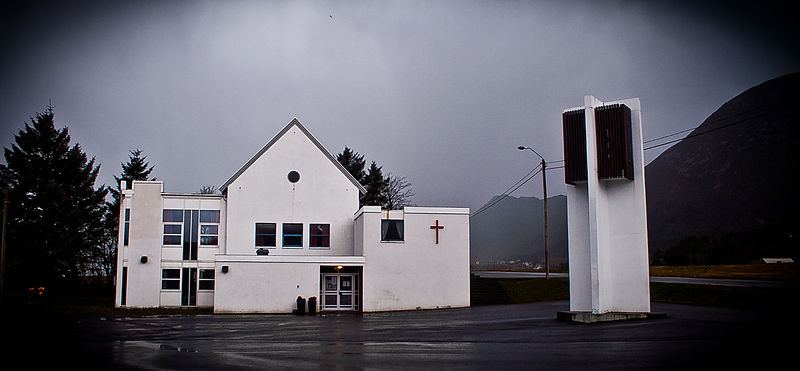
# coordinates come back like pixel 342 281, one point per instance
pixel 533 290
pixel 776 272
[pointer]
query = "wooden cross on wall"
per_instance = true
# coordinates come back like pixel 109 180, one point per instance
pixel 436 228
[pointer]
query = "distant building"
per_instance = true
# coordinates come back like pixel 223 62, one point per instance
pixel 777 260
pixel 288 225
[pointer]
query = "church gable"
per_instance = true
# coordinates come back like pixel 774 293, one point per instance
pixel 294 124
pixel 291 183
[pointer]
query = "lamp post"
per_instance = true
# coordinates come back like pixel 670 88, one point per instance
pixel 544 192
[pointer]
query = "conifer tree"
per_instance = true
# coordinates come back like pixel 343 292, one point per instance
pixel 55 213
pixel 376 186
pixel 353 162
pixel 391 192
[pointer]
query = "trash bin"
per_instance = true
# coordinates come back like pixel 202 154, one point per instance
pixel 301 305
pixel 312 305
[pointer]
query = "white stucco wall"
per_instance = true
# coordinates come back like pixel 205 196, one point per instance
pixel 270 284
pixel 263 194
pixel 416 273
pixel 144 279
pixel 146 201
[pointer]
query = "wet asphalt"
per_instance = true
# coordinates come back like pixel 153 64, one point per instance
pixel 517 336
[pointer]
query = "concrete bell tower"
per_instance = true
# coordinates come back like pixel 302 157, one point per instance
pixel 606 211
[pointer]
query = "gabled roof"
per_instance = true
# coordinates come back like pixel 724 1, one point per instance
pixel 295 122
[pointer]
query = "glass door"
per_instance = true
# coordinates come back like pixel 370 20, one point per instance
pixel 339 291
pixel 330 291
pixel 346 291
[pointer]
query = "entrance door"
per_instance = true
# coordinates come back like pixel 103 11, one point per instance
pixel 345 291
pixel 339 291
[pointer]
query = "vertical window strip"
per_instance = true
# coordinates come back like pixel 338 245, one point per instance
pixel 126 232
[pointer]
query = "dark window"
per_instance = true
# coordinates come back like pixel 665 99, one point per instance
pixel 209 234
pixel 124 299
pixel 293 176
pixel 206 281
pixel 209 216
pixel 391 230
pixel 126 233
pixel 172 234
pixel 293 234
pixel 190 234
pixel 265 234
pixel 173 215
pixel 170 279
pixel 172 229
pixel 172 240
pixel 320 235
pixel 189 286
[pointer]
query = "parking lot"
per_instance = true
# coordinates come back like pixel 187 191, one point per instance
pixel 517 336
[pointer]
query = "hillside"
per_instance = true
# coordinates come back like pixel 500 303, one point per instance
pixel 726 194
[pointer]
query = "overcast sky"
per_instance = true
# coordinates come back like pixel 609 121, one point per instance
pixel 441 92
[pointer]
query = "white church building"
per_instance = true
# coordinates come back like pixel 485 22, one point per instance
pixel 288 225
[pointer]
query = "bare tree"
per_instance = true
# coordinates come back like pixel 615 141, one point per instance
pixel 398 192
pixel 208 189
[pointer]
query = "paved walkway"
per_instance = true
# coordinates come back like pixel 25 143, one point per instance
pixel 518 336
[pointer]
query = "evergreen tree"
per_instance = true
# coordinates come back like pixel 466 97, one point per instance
pixel 137 168
pixel 353 162
pixel 54 212
pixel 376 186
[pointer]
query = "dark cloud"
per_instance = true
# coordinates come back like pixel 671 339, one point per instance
pixel 441 92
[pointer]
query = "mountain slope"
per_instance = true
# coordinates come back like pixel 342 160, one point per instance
pixel 726 193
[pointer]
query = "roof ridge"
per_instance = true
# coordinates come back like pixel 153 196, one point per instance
pixel 293 122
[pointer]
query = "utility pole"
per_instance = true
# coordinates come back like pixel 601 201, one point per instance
pixel 546 250
pixel 544 204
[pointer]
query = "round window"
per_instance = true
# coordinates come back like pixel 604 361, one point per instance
pixel 294 176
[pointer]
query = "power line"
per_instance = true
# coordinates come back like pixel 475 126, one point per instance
pixel 525 179
pixel 760 112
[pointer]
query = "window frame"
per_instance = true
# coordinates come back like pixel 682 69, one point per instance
pixel 326 237
pixel 205 236
pixel 284 235
pixel 205 280
pixel 274 235
pixel 384 230
pixel 165 281
pixel 168 218
pixel 127 232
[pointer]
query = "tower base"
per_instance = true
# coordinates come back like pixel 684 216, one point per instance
pixel 589 317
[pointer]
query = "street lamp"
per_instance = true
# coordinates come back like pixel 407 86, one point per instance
pixel 544 192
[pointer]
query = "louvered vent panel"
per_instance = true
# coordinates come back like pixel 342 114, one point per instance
pixel 574 146
pixel 614 146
